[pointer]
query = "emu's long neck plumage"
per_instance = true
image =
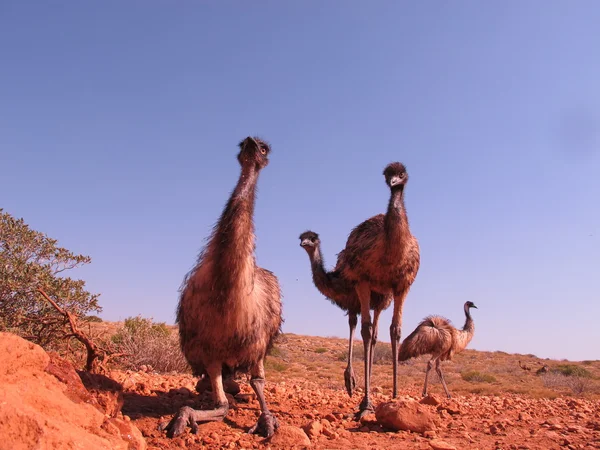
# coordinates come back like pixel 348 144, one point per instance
pixel 321 279
pixel 466 334
pixel 233 240
pixel 396 226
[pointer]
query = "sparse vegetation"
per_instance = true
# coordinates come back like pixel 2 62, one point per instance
pixel 475 376
pixel 151 344
pixel 571 370
pixel 32 263
pixel 577 384
pixel 321 350
pixel 382 353
pixel 277 366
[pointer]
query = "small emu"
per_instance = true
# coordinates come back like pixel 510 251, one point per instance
pixel 342 294
pixel 229 311
pixel 437 337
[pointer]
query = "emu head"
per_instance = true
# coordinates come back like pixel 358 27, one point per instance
pixel 468 306
pixel 395 175
pixel 309 241
pixel 254 151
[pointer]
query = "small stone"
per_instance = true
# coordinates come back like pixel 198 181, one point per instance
pixel 287 436
pixel 430 400
pixel 331 417
pixel 313 429
pixel 429 434
pixel 438 444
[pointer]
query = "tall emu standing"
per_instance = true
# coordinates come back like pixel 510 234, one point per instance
pixel 381 255
pixel 342 294
pixel 229 311
pixel 437 337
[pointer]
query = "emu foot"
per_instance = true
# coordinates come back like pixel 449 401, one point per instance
pixel 349 380
pixel 188 416
pixel 365 407
pixel 267 425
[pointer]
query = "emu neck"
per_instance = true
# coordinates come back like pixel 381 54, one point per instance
pixel 396 222
pixel 469 324
pixel 318 270
pixel 233 241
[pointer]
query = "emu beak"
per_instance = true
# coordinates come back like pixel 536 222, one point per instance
pixel 474 307
pixel 304 243
pixel 395 180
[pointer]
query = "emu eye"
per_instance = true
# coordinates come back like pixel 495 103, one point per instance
pixel 263 151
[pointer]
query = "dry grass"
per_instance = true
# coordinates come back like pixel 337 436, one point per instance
pixel 323 360
pixel 471 372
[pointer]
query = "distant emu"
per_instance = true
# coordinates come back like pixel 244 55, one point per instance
pixel 229 311
pixel 524 366
pixel 382 256
pixel 435 336
pixel 342 294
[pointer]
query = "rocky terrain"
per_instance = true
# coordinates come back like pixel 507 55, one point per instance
pixel 45 403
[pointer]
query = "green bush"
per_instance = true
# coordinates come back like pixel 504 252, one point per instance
pixel 93 319
pixel 477 377
pixel 571 370
pixel 320 350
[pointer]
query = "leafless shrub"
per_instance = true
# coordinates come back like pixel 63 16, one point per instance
pixel 149 344
pixel 578 384
pixel 382 355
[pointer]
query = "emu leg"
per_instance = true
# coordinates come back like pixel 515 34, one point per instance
pixel 366 331
pixel 349 378
pixel 267 423
pixel 376 314
pixel 395 333
pixel 438 369
pixel 188 416
pixel 429 366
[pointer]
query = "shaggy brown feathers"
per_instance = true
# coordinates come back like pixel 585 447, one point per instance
pixel 341 293
pixel 381 256
pixel 331 284
pixel 229 311
pixel 437 337
pixel 229 308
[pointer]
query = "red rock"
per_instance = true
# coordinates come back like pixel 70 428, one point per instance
pixel 431 400
pixel 368 419
pixel 438 444
pixel 289 437
pixel 331 418
pixel 40 411
pixel 406 415
pixel 313 429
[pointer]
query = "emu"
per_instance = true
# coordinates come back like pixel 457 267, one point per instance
pixel 382 256
pixel 342 294
pixel 437 337
pixel 229 310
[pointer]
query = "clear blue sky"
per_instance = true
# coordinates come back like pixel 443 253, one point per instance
pixel 119 123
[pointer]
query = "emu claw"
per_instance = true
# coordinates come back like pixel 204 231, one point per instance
pixel 349 380
pixel 266 425
pixel 189 416
pixel 364 409
pixel 178 423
